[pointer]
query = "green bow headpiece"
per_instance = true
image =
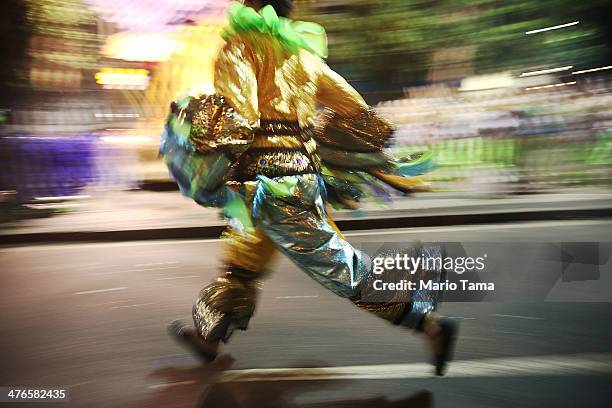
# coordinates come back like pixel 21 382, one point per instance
pixel 292 34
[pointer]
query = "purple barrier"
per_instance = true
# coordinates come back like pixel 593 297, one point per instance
pixel 44 166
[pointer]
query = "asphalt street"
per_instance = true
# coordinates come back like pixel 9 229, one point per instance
pixel 91 318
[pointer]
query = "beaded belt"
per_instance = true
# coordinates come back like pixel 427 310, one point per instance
pixel 278 160
pixel 278 127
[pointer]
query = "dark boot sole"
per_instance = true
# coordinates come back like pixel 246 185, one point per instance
pixel 180 332
pixel 449 338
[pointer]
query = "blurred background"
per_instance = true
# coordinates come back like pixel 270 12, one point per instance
pixel 511 97
pixel 513 100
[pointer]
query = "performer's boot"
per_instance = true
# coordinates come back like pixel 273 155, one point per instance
pixel 441 336
pixel 187 335
pixel 226 304
pixel 440 332
pixel 414 310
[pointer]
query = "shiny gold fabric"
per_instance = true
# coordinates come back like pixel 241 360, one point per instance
pixel 364 131
pixel 407 185
pixel 214 125
pixel 224 302
pixel 263 81
pixel 274 163
pixel 276 142
pixel 252 251
pixel 229 302
pixel 392 312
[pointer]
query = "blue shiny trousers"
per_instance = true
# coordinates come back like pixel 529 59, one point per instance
pixel 289 215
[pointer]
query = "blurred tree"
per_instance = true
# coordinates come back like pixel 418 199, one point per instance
pixel 14 34
pixel 64 46
pixel 401 42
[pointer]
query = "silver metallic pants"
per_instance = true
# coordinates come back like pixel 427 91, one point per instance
pixel 289 215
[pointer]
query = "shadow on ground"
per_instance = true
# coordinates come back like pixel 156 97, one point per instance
pixel 199 387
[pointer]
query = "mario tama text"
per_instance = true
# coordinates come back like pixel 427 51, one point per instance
pixel 431 285
pixel 413 265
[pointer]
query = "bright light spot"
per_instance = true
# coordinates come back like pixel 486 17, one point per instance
pixel 55 206
pixel 126 139
pixel 204 88
pixel 545 71
pixel 152 15
pixel 122 78
pixel 533 88
pixel 141 46
pixel 117 115
pixel 552 28
pixel 584 71
pixel 485 82
pixel 62 198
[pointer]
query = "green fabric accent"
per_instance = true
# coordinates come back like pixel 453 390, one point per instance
pixel 292 34
pixel 180 128
pixel 237 210
pixel 285 188
pixel 336 157
pixel 209 171
pixel 425 156
pixel 183 102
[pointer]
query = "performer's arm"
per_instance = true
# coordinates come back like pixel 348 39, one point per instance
pixel 335 93
pixel 347 123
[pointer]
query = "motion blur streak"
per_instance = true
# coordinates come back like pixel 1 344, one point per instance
pixel 541 30
pixel 457 78
pixel 512 99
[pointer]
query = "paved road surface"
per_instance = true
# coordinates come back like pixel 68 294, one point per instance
pixel 92 317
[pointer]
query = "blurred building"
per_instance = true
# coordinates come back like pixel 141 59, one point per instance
pixel 512 91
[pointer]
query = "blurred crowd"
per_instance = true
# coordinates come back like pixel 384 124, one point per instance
pixel 513 141
pixel 511 97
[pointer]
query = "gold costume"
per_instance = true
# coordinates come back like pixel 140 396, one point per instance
pixel 258 142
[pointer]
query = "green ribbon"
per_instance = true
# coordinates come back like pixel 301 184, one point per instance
pixel 292 34
pixel 237 210
pixel 283 188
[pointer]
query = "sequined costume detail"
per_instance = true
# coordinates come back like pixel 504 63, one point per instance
pixel 257 149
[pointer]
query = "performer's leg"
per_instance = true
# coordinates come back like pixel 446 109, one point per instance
pixel 393 312
pixel 417 314
pixel 228 302
pixel 303 230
